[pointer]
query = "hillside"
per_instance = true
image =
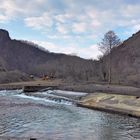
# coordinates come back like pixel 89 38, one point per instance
pixel 22 59
pixel 29 58
pixel 125 62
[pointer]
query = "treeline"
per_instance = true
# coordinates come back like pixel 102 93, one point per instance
pixel 70 68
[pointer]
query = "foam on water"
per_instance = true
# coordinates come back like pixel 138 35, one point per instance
pixel 70 92
pixel 44 99
pixel 64 92
pixel 10 92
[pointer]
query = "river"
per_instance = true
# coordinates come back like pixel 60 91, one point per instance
pixel 23 117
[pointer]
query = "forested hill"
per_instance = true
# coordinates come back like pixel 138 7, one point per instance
pixel 29 58
pixel 19 59
pixel 125 62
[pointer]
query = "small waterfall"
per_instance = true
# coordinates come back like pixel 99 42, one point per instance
pixel 48 98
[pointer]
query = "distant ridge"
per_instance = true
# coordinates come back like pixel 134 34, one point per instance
pixel 29 58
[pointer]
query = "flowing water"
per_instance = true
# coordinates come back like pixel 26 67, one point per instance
pixel 23 117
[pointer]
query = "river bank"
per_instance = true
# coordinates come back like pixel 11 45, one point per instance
pixel 122 104
pixel 88 87
pixel 109 98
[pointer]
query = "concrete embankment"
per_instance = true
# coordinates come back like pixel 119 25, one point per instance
pixel 122 104
pixel 38 88
pixel 58 96
pixel 77 87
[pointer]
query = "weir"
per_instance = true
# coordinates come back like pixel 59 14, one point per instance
pixel 38 88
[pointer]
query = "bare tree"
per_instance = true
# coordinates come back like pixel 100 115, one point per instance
pixel 109 41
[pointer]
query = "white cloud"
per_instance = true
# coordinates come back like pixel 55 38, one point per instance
pixel 130 11
pixel 62 28
pixel 63 18
pixel 40 22
pixel 87 52
pixel 82 20
pixel 3 18
pixel 62 36
pixel 77 16
pixel 136 27
pixel 7 10
pixel 80 27
pixel 12 9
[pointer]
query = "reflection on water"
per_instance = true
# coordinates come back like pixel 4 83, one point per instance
pixel 28 118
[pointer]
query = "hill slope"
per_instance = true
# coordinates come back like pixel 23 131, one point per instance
pixel 24 58
pixel 31 59
pixel 125 62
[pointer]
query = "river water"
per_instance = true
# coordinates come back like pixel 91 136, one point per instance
pixel 23 117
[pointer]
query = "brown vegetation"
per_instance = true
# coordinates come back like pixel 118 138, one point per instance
pixel 125 62
pixel 28 58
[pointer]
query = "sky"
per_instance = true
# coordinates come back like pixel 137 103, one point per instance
pixel 69 26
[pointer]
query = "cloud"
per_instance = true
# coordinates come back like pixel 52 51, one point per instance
pixel 130 11
pixel 40 22
pixel 80 27
pixel 63 18
pixel 72 16
pixel 7 10
pixel 62 28
pixel 136 27
pixel 3 18
pixel 93 19
pixel 12 9
pixel 75 22
pixel 84 52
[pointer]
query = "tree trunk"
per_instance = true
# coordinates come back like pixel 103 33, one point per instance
pixel 109 73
